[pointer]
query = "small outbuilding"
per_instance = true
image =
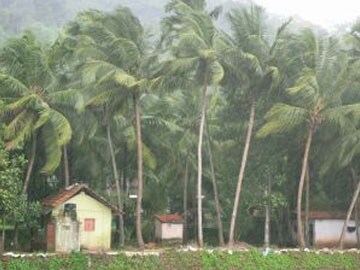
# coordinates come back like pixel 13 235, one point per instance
pixel 78 217
pixel 325 229
pixel 169 227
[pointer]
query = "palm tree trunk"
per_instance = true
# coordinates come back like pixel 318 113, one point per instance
pixel 300 231
pixel 140 171
pixel 66 166
pixel 241 174
pixel 267 215
pixel 348 215
pixel 355 179
pixel 357 223
pixel 118 189
pixel 185 199
pixel 2 247
pixel 30 166
pixel 280 228
pixel 307 206
pixel 199 153
pixel 216 194
pixel 16 236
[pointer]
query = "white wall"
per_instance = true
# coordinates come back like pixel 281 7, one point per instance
pixel 327 233
pixel 171 231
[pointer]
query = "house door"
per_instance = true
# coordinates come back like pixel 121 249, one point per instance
pixel 67 235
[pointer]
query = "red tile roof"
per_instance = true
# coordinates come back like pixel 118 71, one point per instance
pixel 70 192
pixel 170 218
pixel 326 215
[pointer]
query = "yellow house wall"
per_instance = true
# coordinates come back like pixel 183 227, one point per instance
pixel 88 207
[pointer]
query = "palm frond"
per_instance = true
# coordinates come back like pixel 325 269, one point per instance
pixel 217 72
pixel 19 130
pixel 69 97
pixel 11 86
pixel 125 79
pixel 19 104
pixel 103 97
pixel 61 127
pixel 282 118
pixel 306 88
pixel 183 65
pixel 52 148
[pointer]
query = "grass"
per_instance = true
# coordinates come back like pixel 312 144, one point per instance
pixel 188 260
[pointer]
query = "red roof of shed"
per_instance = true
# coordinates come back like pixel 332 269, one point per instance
pixel 170 218
pixel 325 215
pixel 70 192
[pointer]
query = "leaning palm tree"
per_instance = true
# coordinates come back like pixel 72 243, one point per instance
pixel 117 64
pixel 248 63
pixel 315 100
pixel 30 95
pixel 194 41
pixel 346 148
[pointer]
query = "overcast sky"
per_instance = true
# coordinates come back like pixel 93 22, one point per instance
pixel 326 13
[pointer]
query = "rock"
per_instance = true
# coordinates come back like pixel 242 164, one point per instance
pixel 11 254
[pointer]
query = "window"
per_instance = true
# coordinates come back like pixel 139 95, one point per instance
pixel 351 229
pixel 89 225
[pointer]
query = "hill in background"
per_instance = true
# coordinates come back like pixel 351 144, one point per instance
pixel 46 17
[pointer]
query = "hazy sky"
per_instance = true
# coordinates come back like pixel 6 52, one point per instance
pixel 326 13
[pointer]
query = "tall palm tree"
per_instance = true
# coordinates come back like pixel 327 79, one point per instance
pixel 117 62
pixel 63 64
pixel 346 147
pixel 194 41
pixel 30 94
pixel 315 100
pixel 248 63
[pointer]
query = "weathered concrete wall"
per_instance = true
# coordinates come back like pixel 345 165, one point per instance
pixel 171 231
pixel 157 229
pixel 327 233
pixel 89 208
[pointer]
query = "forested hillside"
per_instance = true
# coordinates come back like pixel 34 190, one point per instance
pixel 15 15
pixel 237 120
pixel 46 17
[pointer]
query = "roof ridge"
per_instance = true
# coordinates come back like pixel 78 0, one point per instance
pixel 69 192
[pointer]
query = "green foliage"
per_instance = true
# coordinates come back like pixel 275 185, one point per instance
pixel 23 264
pixel 26 213
pixel 136 262
pixel 191 260
pixel 255 260
pixel 27 86
pixel 76 261
pixel 11 169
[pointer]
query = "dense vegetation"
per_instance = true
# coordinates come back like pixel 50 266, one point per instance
pixel 190 260
pixel 216 123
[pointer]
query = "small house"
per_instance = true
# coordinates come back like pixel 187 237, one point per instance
pixel 169 227
pixel 325 228
pixel 78 217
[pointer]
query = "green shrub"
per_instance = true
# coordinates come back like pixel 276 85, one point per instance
pixel 135 263
pixel 24 264
pixel 174 260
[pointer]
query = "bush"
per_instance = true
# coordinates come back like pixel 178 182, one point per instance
pixel 189 260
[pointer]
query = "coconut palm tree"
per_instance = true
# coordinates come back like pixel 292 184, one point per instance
pixel 194 41
pixel 118 63
pixel 346 147
pixel 248 63
pixel 30 95
pixel 315 100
